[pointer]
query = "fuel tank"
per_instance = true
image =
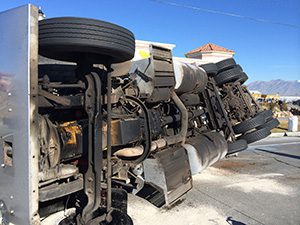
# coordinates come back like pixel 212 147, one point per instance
pixel 205 150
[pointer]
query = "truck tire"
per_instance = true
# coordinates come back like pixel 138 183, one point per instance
pixel 73 39
pixel 267 114
pixel 243 78
pixel 249 124
pixel 271 124
pixel 225 64
pixel 227 76
pixel 256 135
pixel 237 146
pixel 119 218
pixel 237 66
pixel 210 68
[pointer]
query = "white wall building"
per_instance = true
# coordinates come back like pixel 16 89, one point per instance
pixel 205 54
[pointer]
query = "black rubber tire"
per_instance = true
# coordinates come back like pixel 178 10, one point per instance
pixel 271 124
pixel 67 221
pixel 120 218
pixel 119 199
pixel 249 124
pixel 237 146
pixel 228 76
pixel 256 135
pixel 237 66
pixel 243 78
pixel 210 68
pixel 226 64
pixel 267 114
pixel 73 39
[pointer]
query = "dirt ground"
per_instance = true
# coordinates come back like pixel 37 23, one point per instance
pixel 283 126
pixel 260 186
pixel 190 211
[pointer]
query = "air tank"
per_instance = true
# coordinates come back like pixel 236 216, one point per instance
pixel 189 78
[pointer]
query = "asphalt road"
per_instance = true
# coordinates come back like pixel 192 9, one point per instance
pixel 260 186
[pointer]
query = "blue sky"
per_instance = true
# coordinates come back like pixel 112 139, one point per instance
pixel 265 50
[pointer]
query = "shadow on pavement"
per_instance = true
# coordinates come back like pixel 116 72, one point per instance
pixel 231 221
pixel 278 153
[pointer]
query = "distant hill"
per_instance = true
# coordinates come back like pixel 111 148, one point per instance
pixel 281 87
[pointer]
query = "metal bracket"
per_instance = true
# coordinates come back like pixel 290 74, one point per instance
pixel 92 180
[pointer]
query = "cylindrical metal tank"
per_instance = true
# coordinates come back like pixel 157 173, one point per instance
pixel 204 150
pixel 189 78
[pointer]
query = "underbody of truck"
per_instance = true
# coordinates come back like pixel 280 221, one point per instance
pixel 77 134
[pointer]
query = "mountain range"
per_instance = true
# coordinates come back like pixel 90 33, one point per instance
pixel 281 87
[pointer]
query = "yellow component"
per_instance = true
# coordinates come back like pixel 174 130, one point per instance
pixel 265 96
pixel 274 97
pixel 144 54
pixel 256 96
pixel 72 128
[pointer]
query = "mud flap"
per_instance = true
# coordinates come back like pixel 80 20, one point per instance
pixel 167 177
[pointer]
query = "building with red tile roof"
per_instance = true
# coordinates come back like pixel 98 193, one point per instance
pixel 210 52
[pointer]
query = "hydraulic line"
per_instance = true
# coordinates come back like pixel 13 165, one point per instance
pixel 148 139
pixel 184 122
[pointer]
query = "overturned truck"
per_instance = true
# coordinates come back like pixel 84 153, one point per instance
pixel 77 133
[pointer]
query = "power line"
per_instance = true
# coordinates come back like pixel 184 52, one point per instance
pixel 227 14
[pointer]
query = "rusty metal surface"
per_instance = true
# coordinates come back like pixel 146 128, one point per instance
pixel 71 134
pixel 170 171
